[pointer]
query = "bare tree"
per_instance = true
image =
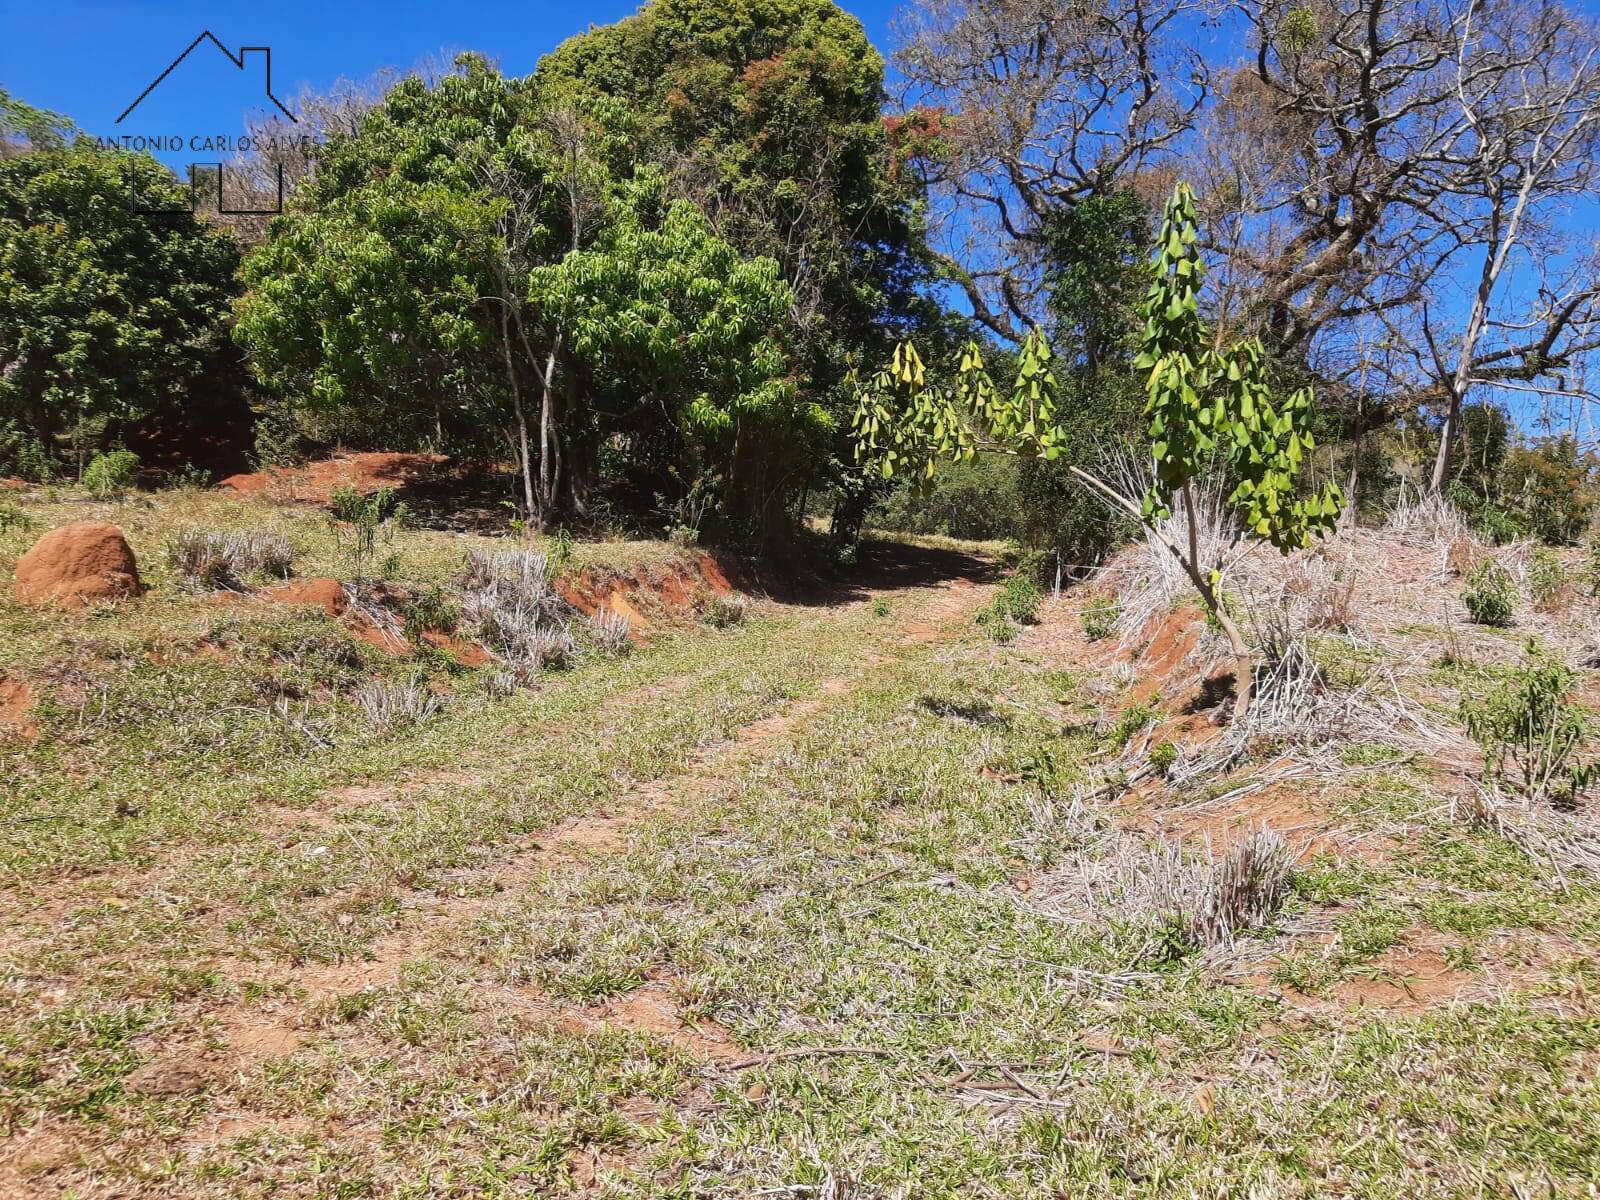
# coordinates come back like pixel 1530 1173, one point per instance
pixel 1535 129
pixel 1042 104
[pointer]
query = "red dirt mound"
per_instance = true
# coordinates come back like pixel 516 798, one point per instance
pixel 315 482
pixel 76 564
pixel 16 703
pixel 324 592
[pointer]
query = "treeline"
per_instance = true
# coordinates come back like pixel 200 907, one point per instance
pixel 644 274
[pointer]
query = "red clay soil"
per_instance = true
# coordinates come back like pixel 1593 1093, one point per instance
pixel 327 594
pixel 672 587
pixel 76 564
pixel 316 482
pixel 468 654
pixel 16 707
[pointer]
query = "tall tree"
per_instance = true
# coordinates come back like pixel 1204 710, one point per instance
pixel 107 314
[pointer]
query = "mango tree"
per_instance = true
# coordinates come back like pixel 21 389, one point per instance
pixel 1207 409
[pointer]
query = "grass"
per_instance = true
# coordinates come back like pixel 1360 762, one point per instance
pixel 263 950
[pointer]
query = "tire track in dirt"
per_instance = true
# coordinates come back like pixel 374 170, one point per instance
pixel 648 1009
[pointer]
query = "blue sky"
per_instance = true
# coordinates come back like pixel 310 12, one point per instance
pixel 91 60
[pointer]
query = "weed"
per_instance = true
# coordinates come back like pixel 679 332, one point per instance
pixel 1099 618
pixel 880 607
pixel 1489 595
pixel 1162 756
pixel 1548 584
pixel 1532 733
pixel 111 473
pixel 1133 721
pixel 722 612
pixel 1591 569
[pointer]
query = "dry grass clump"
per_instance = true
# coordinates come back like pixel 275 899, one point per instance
pixel 610 632
pixel 1181 902
pixel 507 598
pixel 386 705
pixel 212 560
pixel 1322 593
pixel 722 612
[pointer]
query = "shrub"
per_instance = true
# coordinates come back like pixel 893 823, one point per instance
pixel 1020 599
pixel 518 616
pixel 1100 618
pixel 1592 568
pixel 370 519
pixel 1548 585
pixel 880 607
pixel 430 612
pixel 1490 594
pixel 1533 734
pixel 212 559
pixel 12 517
pixel 111 473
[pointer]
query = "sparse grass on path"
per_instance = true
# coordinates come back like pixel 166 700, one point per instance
pixel 755 912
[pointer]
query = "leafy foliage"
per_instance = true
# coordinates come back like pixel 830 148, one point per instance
pixel 1534 736
pixel 1490 595
pixel 110 473
pixel 107 314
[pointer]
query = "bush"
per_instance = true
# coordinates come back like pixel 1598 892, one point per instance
pixel 1548 584
pixel 1019 599
pixel 976 500
pixel 211 560
pixel 1592 568
pixel 1532 734
pixel 386 706
pixel 430 612
pixel 12 517
pixel 111 473
pixel 1490 594
pixel 1099 618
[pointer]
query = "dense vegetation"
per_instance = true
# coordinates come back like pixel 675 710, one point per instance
pixel 644 279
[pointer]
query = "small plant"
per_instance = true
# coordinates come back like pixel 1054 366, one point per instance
pixel 1592 569
pixel 610 632
pixel 1533 734
pixel 1020 598
pixel 559 554
pixel 112 473
pixel 363 522
pixel 1490 594
pixel 386 705
pixel 12 517
pixel 1548 584
pixel 430 612
pixel 1163 756
pixel 189 478
pixel 880 607
pixel 722 612
pixel 1133 721
pixel 1100 618
pixel 213 560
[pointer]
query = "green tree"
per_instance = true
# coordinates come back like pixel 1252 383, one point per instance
pixel 107 314
pixel 1202 406
pixel 768 116
pixel 676 322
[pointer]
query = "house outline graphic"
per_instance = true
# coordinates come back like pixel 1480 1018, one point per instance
pixel 238 60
